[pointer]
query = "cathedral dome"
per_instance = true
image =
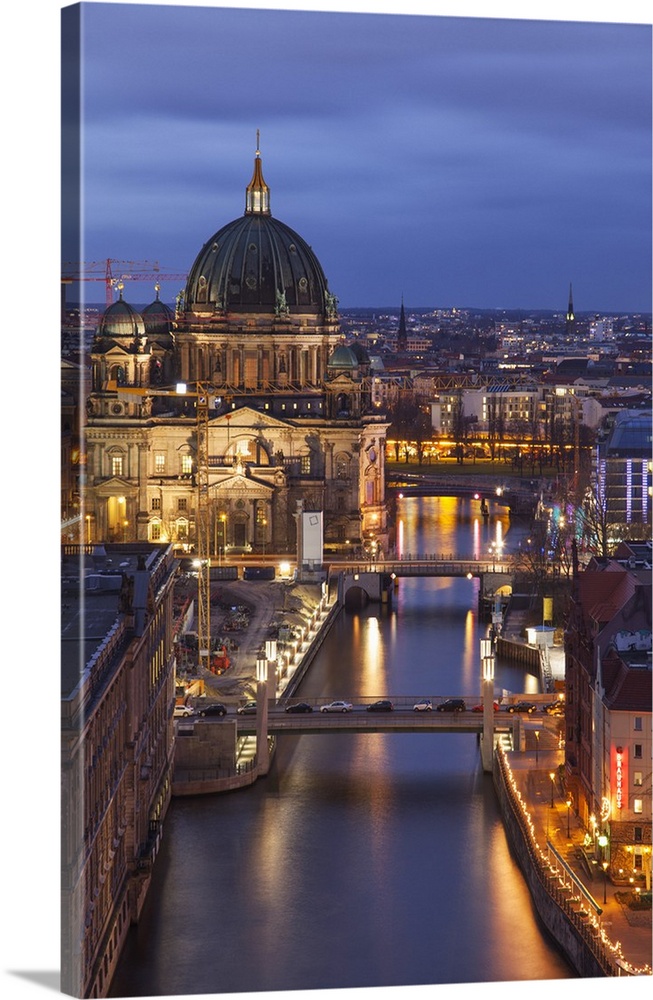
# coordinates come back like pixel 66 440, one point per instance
pixel 258 264
pixel 121 320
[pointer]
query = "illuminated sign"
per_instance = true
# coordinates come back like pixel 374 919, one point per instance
pixel 619 773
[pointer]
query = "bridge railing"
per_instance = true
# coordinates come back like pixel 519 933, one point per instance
pixel 404 564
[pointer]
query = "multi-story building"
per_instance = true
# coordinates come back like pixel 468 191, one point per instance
pixel 290 416
pixel 608 710
pixel 118 692
pixel 623 472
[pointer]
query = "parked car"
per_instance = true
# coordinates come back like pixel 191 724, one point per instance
pixel 554 708
pixel 381 706
pixel 522 706
pixel 337 706
pixel 423 706
pixel 249 708
pixel 451 705
pixel 217 708
pixel 182 711
pixel 479 708
pixel 301 706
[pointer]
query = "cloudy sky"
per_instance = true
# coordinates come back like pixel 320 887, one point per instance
pixel 451 160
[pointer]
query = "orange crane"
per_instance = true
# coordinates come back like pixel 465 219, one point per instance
pixel 125 270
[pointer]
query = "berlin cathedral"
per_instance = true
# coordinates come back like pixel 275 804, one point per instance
pixel 291 424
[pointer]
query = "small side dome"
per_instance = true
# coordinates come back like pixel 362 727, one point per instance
pixel 157 317
pixel 121 320
pixel 342 359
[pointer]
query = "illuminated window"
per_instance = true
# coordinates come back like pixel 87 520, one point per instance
pixel 186 464
pixel 638 805
pixel 637 778
pixel 156 531
pixel 159 464
pixel 116 465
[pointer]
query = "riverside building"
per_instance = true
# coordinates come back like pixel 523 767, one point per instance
pixel 118 692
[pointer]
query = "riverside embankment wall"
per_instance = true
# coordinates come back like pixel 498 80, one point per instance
pixel 577 939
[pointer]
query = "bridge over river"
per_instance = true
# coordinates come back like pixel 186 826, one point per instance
pixel 358 720
pixel 519 497
pixel 429 564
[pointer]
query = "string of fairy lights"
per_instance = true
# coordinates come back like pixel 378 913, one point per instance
pixel 592 929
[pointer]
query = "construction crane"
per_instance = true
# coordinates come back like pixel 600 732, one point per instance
pixel 112 272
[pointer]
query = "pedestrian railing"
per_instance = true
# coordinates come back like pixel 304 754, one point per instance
pixel 567 892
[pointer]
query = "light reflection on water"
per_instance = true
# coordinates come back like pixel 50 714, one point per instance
pixel 362 860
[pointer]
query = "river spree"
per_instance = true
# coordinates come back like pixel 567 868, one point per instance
pixel 362 860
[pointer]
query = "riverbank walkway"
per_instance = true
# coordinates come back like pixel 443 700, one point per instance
pixel 630 928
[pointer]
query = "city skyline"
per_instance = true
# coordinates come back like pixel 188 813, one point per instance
pixel 468 162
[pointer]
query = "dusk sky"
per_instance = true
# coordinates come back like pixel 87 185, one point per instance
pixel 452 161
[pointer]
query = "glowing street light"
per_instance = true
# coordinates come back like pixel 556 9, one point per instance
pixel 553 778
pixel 605 882
pixel 537 746
pixel 568 804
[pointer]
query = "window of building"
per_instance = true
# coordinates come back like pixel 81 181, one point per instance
pixel 638 805
pixel 182 503
pixel 306 465
pixel 186 464
pixel 638 723
pixel 156 503
pixel 637 751
pixel 637 778
pixel 156 531
pixel 116 465
pixel 638 861
pixel 159 464
pixel 637 834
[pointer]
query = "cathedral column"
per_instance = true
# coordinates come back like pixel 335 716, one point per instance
pixel 141 496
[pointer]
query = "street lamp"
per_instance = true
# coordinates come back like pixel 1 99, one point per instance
pixel 568 808
pixel 605 882
pixel 537 747
pixel 553 778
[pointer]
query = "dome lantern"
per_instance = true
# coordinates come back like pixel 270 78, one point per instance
pixel 257 194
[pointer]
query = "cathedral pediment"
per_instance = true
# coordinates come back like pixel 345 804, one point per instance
pixel 116 486
pixel 239 484
pixel 247 418
pixel 341 383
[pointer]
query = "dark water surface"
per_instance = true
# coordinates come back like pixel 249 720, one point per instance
pixel 362 859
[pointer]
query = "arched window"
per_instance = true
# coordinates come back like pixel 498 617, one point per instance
pixel 342 465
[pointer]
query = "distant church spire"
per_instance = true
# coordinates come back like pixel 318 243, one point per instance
pixel 257 194
pixel 571 319
pixel 402 336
